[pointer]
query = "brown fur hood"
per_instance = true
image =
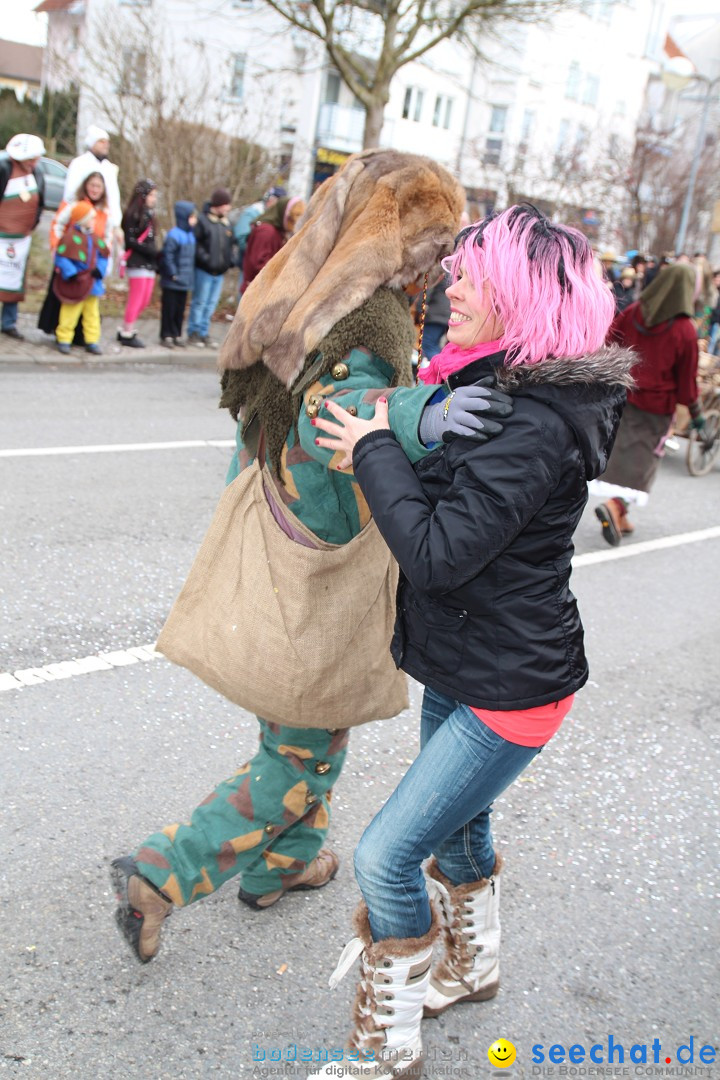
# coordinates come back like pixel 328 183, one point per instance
pixel 385 219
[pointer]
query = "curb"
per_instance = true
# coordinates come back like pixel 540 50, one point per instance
pixel 176 358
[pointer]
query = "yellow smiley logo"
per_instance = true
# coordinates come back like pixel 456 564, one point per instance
pixel 501 1053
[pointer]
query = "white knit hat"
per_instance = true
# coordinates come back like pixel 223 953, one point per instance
pixel 25 147
pixel 94 134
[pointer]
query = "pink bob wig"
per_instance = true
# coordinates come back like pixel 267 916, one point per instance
pixel 544 286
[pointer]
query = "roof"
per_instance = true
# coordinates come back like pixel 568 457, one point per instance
pixel 55 5
pixel 19 61
pixel 671 48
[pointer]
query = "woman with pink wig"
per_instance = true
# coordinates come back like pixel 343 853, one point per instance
pixel 482 531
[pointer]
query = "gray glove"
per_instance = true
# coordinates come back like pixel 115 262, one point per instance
pixel 459 414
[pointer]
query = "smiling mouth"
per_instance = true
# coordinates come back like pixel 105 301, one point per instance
pixel 457 317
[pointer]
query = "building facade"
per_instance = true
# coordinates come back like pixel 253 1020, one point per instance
pixel 549 114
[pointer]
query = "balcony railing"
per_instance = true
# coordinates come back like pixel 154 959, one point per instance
pixel 341 128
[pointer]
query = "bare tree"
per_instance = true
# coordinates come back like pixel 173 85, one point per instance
pixel 369 41
pixel 167 118
pixel 587 174
pixel 657 184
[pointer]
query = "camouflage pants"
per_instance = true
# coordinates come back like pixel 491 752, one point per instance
pixel 268 820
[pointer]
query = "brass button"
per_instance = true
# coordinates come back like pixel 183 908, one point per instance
pixel 310 798
pixel 313 406
pixel 323 767
pixel 340 371
pixel 269 828
pixel 352 410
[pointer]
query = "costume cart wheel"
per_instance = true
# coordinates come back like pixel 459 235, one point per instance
pixel 704 446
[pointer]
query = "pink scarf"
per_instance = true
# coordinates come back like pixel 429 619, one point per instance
pixel 452 358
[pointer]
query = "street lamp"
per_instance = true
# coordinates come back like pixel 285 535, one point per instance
pixel 678 73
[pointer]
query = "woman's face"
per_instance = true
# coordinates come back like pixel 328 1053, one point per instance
pixel 151 199
pixel 472 319
pixel 94 188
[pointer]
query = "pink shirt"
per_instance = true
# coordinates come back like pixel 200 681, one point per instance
pixel 527 727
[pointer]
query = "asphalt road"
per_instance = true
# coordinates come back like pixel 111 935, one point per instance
pixel 610 903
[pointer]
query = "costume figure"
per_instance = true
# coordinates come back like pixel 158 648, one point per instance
pixel 325 318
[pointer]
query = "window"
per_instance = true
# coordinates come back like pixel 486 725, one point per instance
pixel 498 118
pixel 53 168
pixel 413 103
pixel 493 149
pixel 590 90
pixel 133 72
pixel 572 86
pixel 563 135
pixel 443 111
pixel 237 75
pixel 528 122
pixel 332 88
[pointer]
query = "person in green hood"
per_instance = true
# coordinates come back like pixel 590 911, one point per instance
pixel 660 328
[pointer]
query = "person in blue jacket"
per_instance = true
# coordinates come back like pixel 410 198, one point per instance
pixel 177 273
pixel 80 253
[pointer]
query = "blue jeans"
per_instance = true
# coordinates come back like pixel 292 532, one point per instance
pixel 205 297
pixel 432 332
pixel 9 314
pixel 441 806
pixel 714 339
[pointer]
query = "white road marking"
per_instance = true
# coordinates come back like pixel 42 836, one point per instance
pixel 644 546
pixel 68 669
pixel 117 448
pixel 106 661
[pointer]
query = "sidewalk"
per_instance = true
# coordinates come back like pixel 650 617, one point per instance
pixel 39 348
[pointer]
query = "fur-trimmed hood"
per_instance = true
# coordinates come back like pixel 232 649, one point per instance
pixel 586 391
pixel 609 365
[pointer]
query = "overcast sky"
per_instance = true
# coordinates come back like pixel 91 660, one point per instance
pixel 20 24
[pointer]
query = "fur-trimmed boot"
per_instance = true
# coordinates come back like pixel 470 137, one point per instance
pixel 469 970
pixel 394 978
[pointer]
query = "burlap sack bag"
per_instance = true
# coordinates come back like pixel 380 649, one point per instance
pixel 295 634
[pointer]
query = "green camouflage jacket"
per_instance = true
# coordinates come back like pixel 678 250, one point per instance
pixel 327 501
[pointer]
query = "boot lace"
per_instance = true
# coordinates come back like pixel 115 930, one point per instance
pixel 460 929
pixel 367 1035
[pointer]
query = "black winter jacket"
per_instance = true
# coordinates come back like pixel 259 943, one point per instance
pixel 143 256
pixel 483 533
pixel 215 245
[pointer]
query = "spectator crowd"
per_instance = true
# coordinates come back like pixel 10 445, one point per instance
pixel 90 235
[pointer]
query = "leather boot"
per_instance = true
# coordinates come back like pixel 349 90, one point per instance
pixel 470 968
pixel 625 524
pixel 394 978
pixel 609 517
pixel 318 872
pixel 142 909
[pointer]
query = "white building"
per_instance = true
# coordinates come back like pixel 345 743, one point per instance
pixel 683 114
pixel 553 96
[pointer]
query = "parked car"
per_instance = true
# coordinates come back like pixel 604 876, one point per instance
pixel 54 174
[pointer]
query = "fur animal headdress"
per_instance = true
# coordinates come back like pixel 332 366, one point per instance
pixel 384 219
